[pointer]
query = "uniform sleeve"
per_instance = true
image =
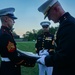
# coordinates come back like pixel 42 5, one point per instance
pixel 36 50
pixel 9 49
pixel 52 45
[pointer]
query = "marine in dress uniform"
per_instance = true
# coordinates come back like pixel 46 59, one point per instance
pixel 10 59
pixel 45 42
pixel 63 59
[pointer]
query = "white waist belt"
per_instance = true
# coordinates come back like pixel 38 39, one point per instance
pixel 5 59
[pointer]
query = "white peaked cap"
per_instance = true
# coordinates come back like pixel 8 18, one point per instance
pixel 7 11
pixel 46 6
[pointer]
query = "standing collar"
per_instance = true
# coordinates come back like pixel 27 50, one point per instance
pixel 64 17
pixel 46 33
pixel 6 28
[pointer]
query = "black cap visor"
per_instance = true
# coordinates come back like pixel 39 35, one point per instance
pixel 12 16
pixel 45 26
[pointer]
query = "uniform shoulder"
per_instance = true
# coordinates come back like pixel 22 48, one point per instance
pixel 3 32
pixel 40 34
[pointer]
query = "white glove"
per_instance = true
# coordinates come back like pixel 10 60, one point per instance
pixel 41 60
pixel 43 52
pixel 36 54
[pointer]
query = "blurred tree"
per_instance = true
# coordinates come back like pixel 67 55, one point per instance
pixel 29 36
pixel 15 35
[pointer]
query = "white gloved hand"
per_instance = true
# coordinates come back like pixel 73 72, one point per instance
pixel 41 60
pixel 43 52
pixel 36 54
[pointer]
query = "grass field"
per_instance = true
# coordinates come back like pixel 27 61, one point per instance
pixel 28 46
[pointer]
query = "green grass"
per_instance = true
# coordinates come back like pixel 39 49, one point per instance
pixel 28 46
